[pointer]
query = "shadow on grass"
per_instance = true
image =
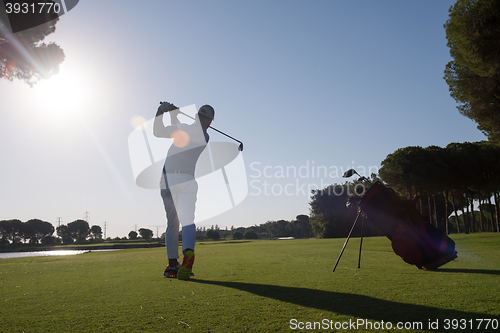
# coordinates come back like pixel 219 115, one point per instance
pixel 358 306
pixel 473 271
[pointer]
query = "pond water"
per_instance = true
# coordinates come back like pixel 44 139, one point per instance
pixel 8 255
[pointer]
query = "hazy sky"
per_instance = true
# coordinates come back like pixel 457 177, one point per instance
pixel 307 86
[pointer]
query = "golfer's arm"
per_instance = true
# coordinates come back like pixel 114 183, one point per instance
pixel 173 118
pixel 159 129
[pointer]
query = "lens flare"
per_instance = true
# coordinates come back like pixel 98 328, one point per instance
pixel 10 67
pixel 137 121
pixel 181 138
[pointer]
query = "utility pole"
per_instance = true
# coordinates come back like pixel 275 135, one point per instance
pixel 87 216
pixel 105 228
pixel 157 233
pixel 59 221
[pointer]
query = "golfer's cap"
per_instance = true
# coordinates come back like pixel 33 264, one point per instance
pixel 207 111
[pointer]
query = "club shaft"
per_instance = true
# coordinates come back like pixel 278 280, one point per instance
pixel 215 129
pixel 225 134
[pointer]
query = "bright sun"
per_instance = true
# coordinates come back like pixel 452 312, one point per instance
pixel 63 96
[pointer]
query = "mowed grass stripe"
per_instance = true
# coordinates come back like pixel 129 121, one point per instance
pixel 253 286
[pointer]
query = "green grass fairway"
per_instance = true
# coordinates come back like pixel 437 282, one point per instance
pixel 255 286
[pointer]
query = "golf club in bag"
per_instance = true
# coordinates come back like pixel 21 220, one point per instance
pixel 413 238
pixel 240 147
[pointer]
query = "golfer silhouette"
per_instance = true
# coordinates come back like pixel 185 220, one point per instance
pixel 178 185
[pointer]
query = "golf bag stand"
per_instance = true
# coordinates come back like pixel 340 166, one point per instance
pixel 347 240
pixel 361 241
pixel 413 238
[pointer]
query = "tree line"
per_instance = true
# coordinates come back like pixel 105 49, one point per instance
pixel 78 231
pixel 449 179
pixel 298 228
pixel 143 232
pixel 36 231
pixel 458 177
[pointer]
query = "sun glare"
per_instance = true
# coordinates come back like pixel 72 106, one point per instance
pixel 137 121
pixel 63 96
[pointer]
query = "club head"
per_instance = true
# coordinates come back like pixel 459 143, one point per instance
pixel 240 147
pixel 348 173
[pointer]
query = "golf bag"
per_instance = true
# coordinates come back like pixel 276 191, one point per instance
pixel 414 239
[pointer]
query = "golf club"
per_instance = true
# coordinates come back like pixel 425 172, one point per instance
pixel 240 147
pixel 351 172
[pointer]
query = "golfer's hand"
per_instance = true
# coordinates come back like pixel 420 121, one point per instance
pixel 167 107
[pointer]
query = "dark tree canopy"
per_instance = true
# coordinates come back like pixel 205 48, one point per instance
pixel 146 233
pixel 24 55
pixel 329 215
pixel 96 232
pixel 41 229
pixel 237 235
pixel 473 33
pixel 79 230
pixel 11 230
pixel 62 231
pixel 250 234
pixel 212 234
pixel 460 173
